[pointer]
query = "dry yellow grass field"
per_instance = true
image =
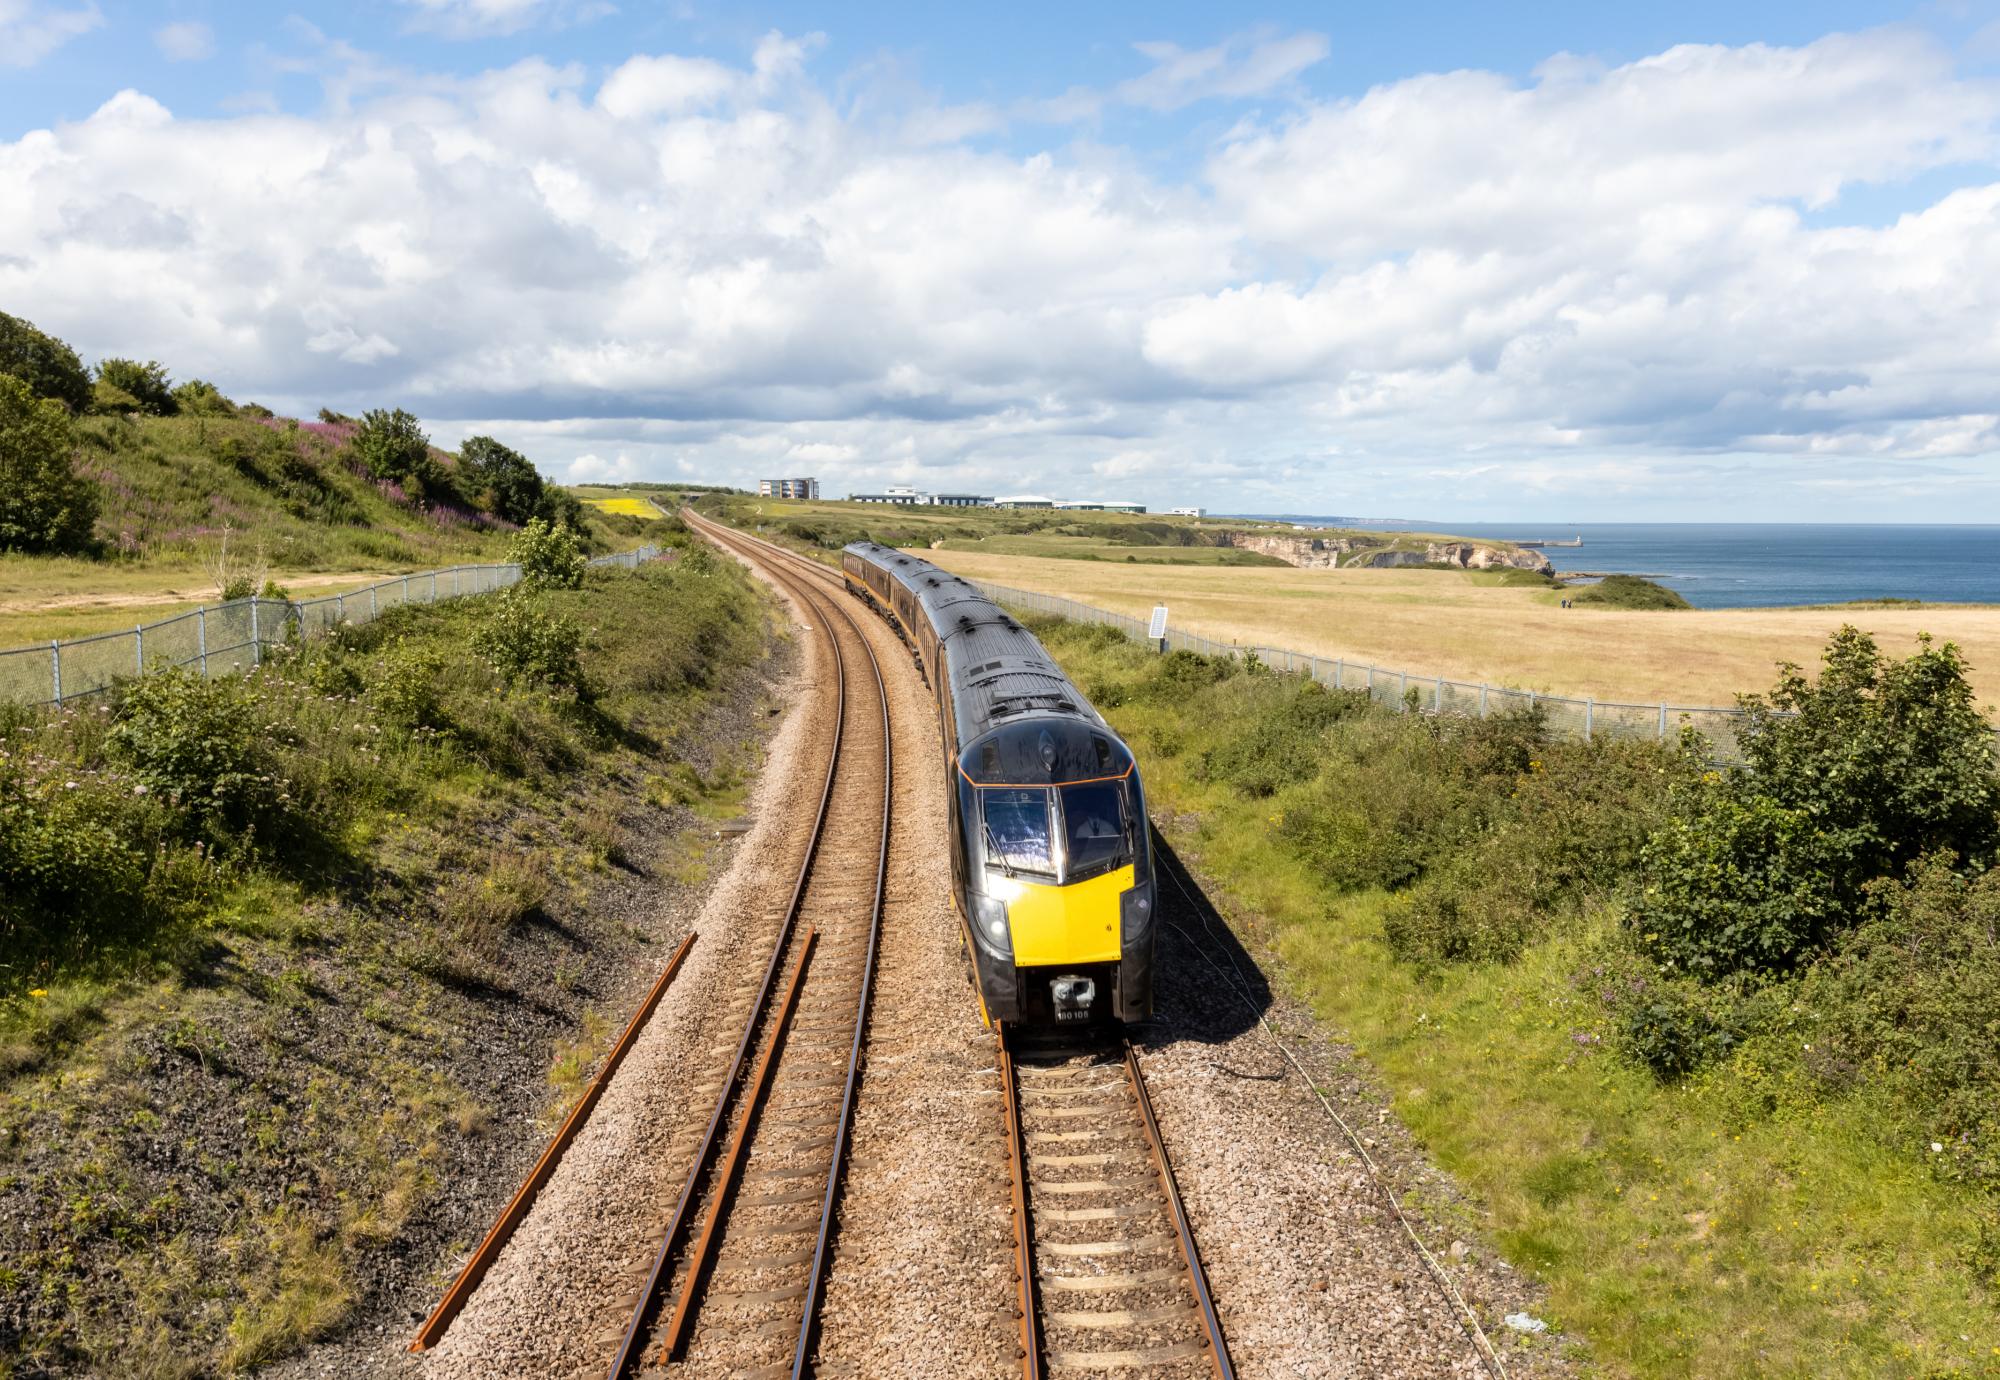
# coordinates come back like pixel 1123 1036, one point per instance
pixel 1466 626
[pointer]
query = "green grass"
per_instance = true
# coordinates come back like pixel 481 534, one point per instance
pixel 206 1124
pixel 1700 1229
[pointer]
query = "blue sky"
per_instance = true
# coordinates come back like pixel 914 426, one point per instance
pixel 1579 261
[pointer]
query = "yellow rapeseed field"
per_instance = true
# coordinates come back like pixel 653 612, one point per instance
pixel 1467 626
pixel 625 507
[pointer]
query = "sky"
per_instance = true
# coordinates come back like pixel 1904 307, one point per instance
pixel 1699 262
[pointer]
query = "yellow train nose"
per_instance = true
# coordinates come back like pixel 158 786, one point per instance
pixel 1064 924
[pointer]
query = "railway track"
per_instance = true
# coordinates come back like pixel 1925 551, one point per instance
pixel 1109 1275
pixel 736 1278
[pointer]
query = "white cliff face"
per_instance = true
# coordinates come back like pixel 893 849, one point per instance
pixel 1328 553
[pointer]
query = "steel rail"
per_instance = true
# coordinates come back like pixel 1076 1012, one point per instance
pixel 642 1310
pixel 1218 1346
pixel 1029 1307
pixel 732 1163
pixel 679 1322
pixel 516 1210
pixel 837 1172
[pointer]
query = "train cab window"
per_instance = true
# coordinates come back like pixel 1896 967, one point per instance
pixel 1095 836
pixel 1018 834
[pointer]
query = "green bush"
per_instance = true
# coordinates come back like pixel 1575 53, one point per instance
pixel 407 686
pixel 1282 739
pixel 1675 1026
pixel 391 446
pixel 1629 592
pixel 200 398
pixel 146 384
pixel 1910 1001
pixel 525 640
pixel 1849 780
pixel 45 505
pixel 549 556
pixel 49 367
pixel 206 748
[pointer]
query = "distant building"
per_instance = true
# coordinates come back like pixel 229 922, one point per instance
pixel 1084 505
pixel 1189 512
pixel 788 488
pixel 897 494
pixel 1024 501
pixel 961 500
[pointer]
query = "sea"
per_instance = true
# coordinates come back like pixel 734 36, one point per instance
pixel 1757 565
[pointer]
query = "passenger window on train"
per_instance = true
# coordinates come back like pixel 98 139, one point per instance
pixel 1094 826
pixel 1017 830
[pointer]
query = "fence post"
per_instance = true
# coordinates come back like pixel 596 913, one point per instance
pixel 406 589
pixel 256 644
pixel 434 587
pixel 1402 686
pixel 1663 721
pixel 1371 682
pixel 1589 712
pixel 201 637
pixel 139 649
pixel 1437 695
pixel 55 665
pixel 373 610
pixel 340 608
pixel 1482 701
pixel 1339 672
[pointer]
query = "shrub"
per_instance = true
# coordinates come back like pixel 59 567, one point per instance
pixel 200 398
pixel 45 506
pixel 201 746
pixel 1912 1000
pixel 1629 592
pixel 406 686
pixel 146 384
pixel 392 447
pixel 549 556
pixel 45 364
pixel 1676 1026
pixel 525 640
pixel 1282 739
pixel 1880 763
pixel 507 480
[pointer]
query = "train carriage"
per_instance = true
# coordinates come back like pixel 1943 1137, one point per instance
pixel 1051 857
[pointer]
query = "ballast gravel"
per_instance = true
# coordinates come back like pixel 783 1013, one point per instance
pixel 1312 1275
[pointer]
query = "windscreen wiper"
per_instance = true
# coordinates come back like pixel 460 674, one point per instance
pixel 993 849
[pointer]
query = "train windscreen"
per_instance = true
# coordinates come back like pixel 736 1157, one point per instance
pixel 1018 836
pixel 1095 835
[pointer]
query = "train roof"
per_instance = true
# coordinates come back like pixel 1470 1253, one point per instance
pixel 999 672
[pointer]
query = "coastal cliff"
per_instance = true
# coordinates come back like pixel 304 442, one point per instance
pixel 1379 550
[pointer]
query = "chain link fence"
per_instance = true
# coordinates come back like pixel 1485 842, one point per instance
pixel 1585 719
pixel 223 639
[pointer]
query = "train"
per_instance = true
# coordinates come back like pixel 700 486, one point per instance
pixel 1051 857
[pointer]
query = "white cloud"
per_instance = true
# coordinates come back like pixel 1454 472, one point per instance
pixel 1246 65
pixel 1615 274
pixel 30 30
pixel 479 18
pixel 188 41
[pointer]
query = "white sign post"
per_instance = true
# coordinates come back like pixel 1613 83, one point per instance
pixel 1158 631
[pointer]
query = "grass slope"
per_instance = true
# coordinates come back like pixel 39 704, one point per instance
pixel 287 493
pixel 227 1100
pixel 1747 1223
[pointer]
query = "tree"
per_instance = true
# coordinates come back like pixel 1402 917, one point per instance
pixel 45 506
pixel 1849 779
pixel 49 367
pixel 147 383
pixel 508 479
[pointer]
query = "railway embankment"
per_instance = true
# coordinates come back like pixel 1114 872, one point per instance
pixel 1698 1052
pixel 301 969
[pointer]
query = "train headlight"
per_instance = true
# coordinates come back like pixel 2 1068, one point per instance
pixel 989 917
pixel 1135 913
